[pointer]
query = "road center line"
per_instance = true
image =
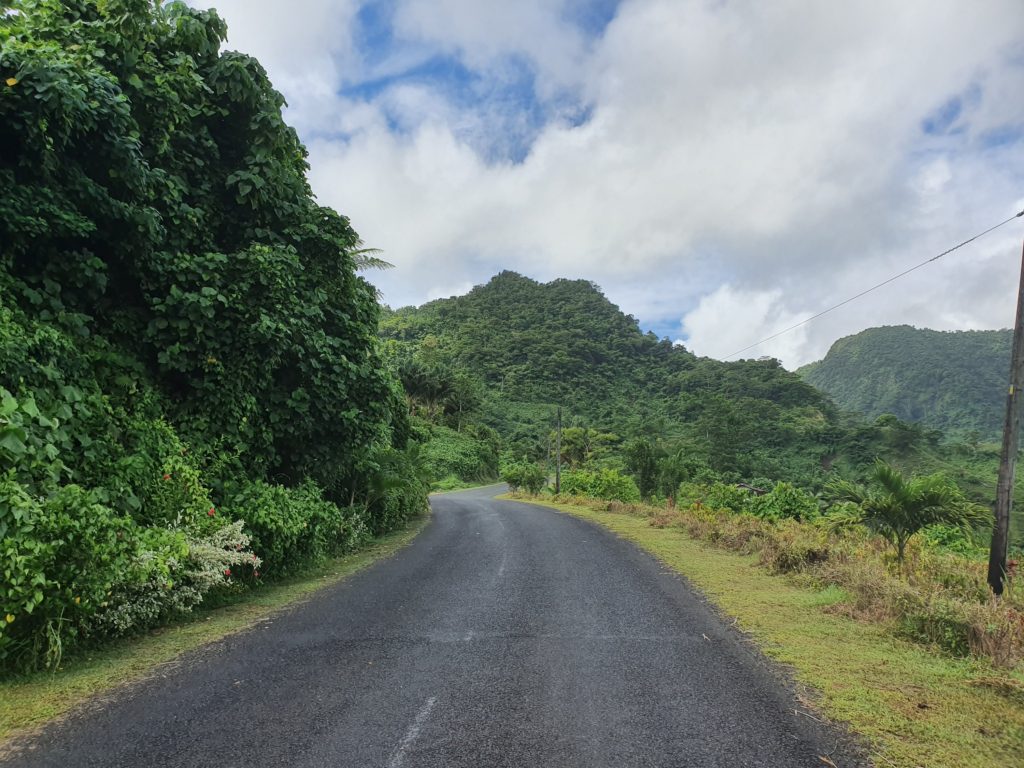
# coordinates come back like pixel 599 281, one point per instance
pixel 410 735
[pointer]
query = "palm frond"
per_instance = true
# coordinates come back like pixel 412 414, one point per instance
pixel 365 258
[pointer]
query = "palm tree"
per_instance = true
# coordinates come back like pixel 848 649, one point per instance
pixel 896 506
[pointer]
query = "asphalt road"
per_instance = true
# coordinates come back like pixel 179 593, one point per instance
pixel 504 635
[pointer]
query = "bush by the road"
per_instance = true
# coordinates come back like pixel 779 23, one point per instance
pixel 600 484
pixel 524 475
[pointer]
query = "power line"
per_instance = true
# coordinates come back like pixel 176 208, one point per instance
pixel 875 287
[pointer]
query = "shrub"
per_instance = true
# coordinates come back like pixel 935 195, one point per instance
pixel 951 538
pixel 690 493
pixel 897 507
pixel 794 547
pixel 726 496
pixel 605 484
pixel 783 502
pixel 398 482
pixel 157 480
pixel 463 454
pixel 151 590
pixel 291 527
pixel 62 556
pixel 447 483
pixel 525 475
pixel 946 623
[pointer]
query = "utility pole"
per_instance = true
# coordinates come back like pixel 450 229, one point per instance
pixel 1008 461
pixel 558 454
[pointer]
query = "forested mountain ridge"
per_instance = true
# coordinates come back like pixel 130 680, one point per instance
pixel 537 345
pixel 949 380
pixel 488 369
pixel 565 341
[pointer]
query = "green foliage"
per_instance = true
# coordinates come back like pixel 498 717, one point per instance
pixel 194 240
pixel 897 507
pixel 471 455
pixel 292 527
pixel 397 483
pixel 726 496
pixel 449 483
pixel 535 345
pixel 184 338
pixel 524 475
pixel 784 502
pixel 606 484
pixel 583 446
pixel 953 538
pixel 892 370
pixel 642 462
pixel 61 557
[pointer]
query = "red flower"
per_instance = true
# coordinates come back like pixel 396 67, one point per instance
pixel 227 571
pixel 167 477
pixel 212 512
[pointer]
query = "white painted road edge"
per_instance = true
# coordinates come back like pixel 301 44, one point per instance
pixel 411 735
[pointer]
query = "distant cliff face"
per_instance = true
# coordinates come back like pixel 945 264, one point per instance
pixel 950 380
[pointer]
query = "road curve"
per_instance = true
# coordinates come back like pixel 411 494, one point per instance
pixel 505 635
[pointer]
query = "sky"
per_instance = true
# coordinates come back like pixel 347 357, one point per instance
pixel 721 168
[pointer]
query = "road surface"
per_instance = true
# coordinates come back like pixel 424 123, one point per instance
pixel 505 635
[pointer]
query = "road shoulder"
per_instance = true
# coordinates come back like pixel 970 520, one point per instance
pixel 30 702
pixel 912 706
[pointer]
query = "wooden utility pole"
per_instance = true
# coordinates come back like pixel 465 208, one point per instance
pixel 1008 461
pixel 558 454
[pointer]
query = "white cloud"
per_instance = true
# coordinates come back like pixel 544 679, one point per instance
pixel 752 315
pixel 485 33
pixel 743 162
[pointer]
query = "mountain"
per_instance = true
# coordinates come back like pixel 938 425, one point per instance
pixel 534 346
pixel 485 372
pixel 949 380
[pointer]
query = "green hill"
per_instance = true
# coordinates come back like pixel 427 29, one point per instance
pixel 484 373
pixel 949 380
pixel 532 346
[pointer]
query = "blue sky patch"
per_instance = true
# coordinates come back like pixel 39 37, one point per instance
pixel 508 114
pixel 1001 137
pixel 592 16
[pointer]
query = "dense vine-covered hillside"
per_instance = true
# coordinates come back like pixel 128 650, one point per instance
pixel 949 380
pixel 192 395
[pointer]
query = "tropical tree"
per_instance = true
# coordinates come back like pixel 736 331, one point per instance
pixel 897 507
pixel 642 462
pixel 581 445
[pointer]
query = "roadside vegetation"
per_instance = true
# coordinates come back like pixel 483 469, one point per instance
pixel 200 394
pixel 28 701
pixel 651 410
pixel 900 552
pixel 193 397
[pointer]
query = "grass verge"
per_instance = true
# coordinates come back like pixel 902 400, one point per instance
pixel 913 707
pixel 30 701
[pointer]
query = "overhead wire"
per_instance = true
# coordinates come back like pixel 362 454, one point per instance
pixel 874 287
